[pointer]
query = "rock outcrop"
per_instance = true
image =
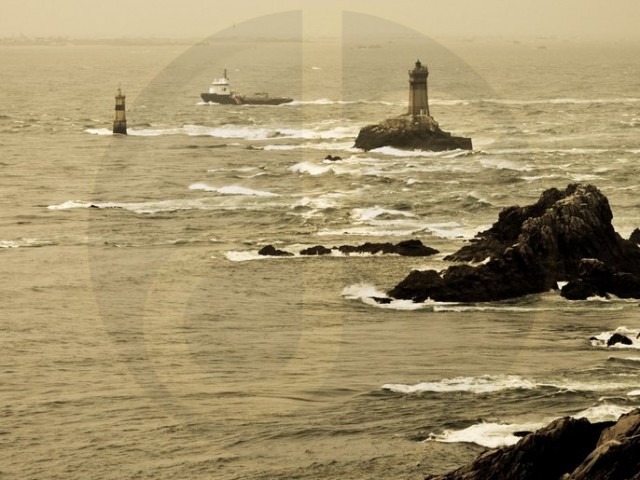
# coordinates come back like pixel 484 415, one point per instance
pixel 271 251
pixel 406 248
pixel 566 235
pixel 566 449
pixel 619 338
pixel 409 132
pixel 594 278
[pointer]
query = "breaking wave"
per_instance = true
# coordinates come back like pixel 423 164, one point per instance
pixel 496 383
pixel 136 207
pixel 493 435
pixel 631 334
pixel 366 294
pixel 477 385
pixel 231 190
pixel 490 435
pixel 238 131
pixel 24 242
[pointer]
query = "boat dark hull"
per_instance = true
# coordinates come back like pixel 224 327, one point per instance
pixel 242 100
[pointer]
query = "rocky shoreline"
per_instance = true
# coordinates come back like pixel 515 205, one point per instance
pixel 566 449
pixel 566 236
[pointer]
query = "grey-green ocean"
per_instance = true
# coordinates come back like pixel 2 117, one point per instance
pixel 144 337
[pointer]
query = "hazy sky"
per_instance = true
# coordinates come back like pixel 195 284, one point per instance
pixel 588 19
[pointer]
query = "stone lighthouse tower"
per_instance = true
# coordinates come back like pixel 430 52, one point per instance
pixel 418 98
pixel 120 123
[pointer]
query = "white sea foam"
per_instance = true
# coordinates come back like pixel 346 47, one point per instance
pixel 604 413
pixel 239 131
pixel 501 164
pixel 318 134
pixel 364 293
pixel 232 190
pixel 477 385
pixel 396 152
pixel 344 146
pixel 137 207
pixel 453 230
pixel 497 383
pixel 317 203
pixel 24 242
pixel 99 131
pixel 368 232
pixel 229 131
pixel 315 169
pixel 493 435
pixel 490 435
pixel 246 256
pixel 634 393
pixel 601 339
pixel 584 177
pixel 367 214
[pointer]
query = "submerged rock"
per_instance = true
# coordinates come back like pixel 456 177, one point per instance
pixel 566 449
pixel 566 235
pixel 409 132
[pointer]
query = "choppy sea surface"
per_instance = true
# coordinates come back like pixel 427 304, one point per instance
pixel 144 337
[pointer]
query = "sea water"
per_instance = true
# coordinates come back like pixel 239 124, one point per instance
pixel 144 337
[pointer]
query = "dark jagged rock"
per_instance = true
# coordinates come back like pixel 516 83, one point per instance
pixel 619 338
pixel 546 454
pixel 382 300
pixel 531 248
pixel 333 158
pixel 580 290
pixel 566 449
pixel 595 278
pixel 617 454
pixel 409 132
pixel 317 250
pixel 635 236
pixel 414 248
pixel 272 251
pixel 407 248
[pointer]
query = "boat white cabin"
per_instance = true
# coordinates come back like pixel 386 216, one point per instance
pixel 220 86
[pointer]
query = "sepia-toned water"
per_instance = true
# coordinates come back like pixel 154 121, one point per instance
pixel 144 337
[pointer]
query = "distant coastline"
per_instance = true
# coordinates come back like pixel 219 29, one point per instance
pixel 60 41
pixel 537 42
